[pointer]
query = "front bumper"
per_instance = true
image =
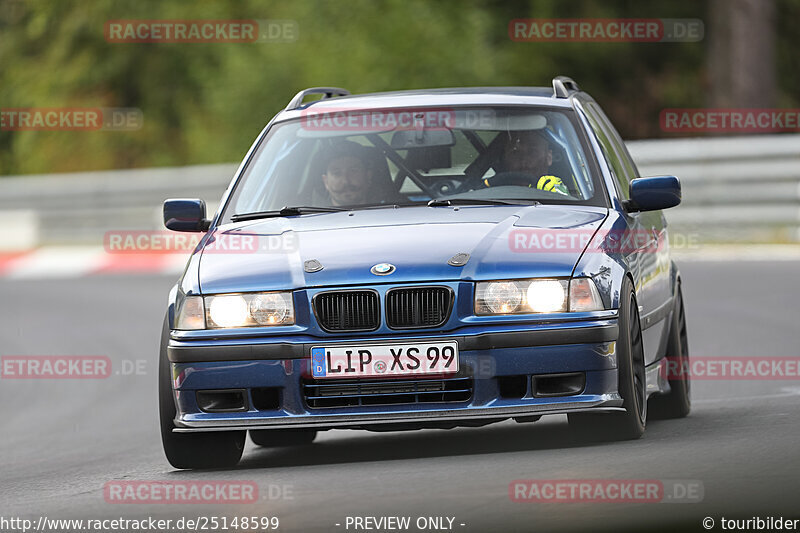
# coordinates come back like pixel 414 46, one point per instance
pixel 486 355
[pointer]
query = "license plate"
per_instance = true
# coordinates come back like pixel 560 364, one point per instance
pixel 384 360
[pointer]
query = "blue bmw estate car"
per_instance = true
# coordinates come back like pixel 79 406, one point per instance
pixel 424 259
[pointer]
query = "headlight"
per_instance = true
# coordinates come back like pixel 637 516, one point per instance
pixel 502 297
pixel 536 296
pixel 271 308
pixel 247 310
pixel 228 311
pixel 547 296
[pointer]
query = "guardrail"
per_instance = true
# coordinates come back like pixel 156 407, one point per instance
pixel 735 189
pixel 79 208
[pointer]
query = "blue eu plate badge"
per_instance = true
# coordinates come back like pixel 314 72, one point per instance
pixel 318 362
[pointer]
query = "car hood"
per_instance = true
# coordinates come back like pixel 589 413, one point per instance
pixel 418 241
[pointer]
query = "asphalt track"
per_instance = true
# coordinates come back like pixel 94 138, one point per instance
pixel 62 440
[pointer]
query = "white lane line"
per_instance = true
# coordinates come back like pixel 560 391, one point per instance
pixel 754 252
pixel 787 392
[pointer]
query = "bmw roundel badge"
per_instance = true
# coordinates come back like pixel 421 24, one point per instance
pixel 382 269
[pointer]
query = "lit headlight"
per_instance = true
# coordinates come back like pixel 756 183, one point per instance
pixel 246 310
pixel 227 311
pixel 547 296
pixel 536 296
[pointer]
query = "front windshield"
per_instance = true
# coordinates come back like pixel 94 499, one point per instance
pixel 360 159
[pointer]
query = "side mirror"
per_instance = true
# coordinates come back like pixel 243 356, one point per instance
pixel 652 194
pixel 185 214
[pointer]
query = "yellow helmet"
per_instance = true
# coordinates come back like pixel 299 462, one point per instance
pixel 552 184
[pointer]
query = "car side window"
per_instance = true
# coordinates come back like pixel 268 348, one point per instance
pixel 618 171
pixel 622 150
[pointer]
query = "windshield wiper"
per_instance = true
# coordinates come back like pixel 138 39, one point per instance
pixel 385 206
pixel 439 202
pixel 285 212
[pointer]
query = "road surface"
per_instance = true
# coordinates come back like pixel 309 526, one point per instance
pixel 63 440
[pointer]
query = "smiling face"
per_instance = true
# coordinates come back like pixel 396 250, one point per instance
pixel 527 152
pixel 347 179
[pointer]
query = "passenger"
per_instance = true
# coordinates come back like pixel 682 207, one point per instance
pixel 348 175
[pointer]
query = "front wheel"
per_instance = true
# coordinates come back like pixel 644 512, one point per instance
pixel 629 424
pixel 191 450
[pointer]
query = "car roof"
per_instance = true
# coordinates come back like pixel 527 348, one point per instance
pixel 461 96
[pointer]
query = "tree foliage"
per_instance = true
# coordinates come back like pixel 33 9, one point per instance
pixel 204 103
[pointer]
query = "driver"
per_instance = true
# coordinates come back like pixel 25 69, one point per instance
pixel 348 175
pixel 527 152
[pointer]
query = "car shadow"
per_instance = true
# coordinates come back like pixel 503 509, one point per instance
pixel 363 446
pixel 356 446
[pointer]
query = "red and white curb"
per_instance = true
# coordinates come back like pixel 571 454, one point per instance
pixel 79 261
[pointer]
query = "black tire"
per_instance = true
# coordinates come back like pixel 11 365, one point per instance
pixel 283 437
pixel 676 403
pixel 191 450
pixel 631 423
